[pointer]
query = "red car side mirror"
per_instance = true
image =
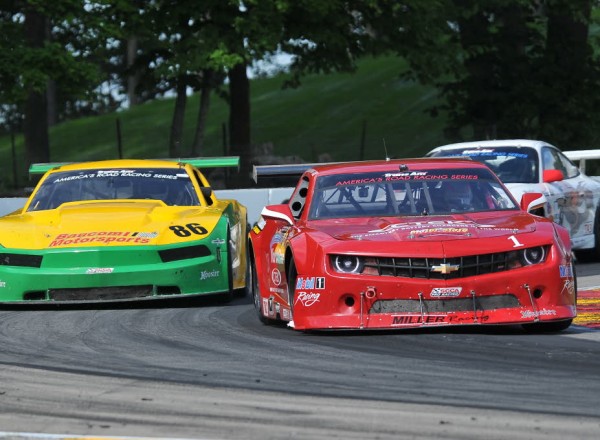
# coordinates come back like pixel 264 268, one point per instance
pixel 533 202
pixel 553 176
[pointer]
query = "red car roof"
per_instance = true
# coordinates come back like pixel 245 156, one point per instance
pixel 394 165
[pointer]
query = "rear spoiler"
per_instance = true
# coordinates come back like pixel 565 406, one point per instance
pixel 281 171
pixel 290 171
pixel 582 156
pixel 198 162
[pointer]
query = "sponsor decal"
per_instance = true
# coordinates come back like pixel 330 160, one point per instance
pixel 569 287
pixel 415 175
pixel 218 241
pixel 305 283
pixel 147 234
pixel 431 224
pixel 407 176
pixel 531 314
pixel 276 290
pixel 440 231
pixel 277 238
pixel 493 153
pixel 362 181
pixel 285 314
pixel 70 178
pixel 103 237
pixel 119 173
pixel 276 277
pixel 566 271
pixel 434 226
pixel 418 319
pixel 310 283
pixel 445 292
pixel 207 274
pixel 463 319
pixel 2 283
pixel 265 303
pixel 307 299
pixel 474 152
pixel 277 255
pixel 277 246
pixel 95 270
pixel 412 173
pixel 114 173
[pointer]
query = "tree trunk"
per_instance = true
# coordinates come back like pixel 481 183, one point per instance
pixel 51 103
pixel 133 77
pixel 178 118
pixel 51 89
pixel 239 124
pixel 569 72
pixel 198 144
pixel 35 126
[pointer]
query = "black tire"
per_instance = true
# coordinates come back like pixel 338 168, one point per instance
pixel 291 277
pixel 228 296
pixel 597 234
pixel 590 255
pixel 248 284
pixel 256 299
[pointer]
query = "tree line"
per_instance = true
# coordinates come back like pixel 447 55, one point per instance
pixel 503 68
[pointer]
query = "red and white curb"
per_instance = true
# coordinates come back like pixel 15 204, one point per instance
pixel 588 307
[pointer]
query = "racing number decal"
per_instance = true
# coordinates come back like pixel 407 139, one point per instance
pixel 189 229
pixel 515 240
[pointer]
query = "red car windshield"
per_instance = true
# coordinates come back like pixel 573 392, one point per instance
pixel 429 192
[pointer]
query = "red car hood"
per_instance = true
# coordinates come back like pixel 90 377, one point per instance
pixel 432 228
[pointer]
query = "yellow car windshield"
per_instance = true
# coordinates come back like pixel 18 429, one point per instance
pixel 173 186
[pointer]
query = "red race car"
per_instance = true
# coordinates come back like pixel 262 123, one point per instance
pixel 409 243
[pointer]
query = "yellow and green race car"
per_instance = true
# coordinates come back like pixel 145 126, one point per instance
pixel 123 230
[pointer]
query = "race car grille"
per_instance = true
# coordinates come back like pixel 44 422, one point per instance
pixel 492 302
pixel 184 253
pixel 100 293
pixel 440 268
pixel 22 260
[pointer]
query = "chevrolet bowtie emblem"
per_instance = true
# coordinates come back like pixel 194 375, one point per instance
pixel 445 268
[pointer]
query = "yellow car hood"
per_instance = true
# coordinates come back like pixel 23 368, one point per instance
pixel 114 223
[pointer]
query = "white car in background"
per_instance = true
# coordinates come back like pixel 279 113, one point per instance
pixel 524 166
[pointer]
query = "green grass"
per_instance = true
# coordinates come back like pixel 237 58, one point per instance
pixel 325 115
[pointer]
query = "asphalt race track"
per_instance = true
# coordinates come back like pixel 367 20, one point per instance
pixel 205 370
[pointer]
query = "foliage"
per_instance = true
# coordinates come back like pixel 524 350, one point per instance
pixel 504 68
pixel 66 57
pixel 513 68
pixel 322 119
